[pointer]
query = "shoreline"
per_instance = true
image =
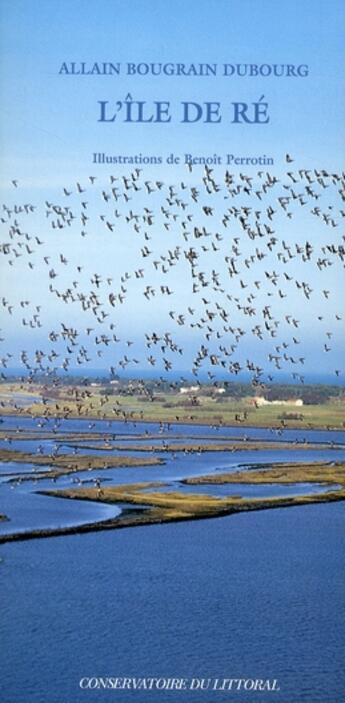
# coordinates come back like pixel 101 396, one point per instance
pixel 209 422
pixel 235 446
pixel 281 473
pixel 153 518
pixel 165 507
pixel 65 464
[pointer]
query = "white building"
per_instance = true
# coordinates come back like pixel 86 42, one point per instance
pixel 260 402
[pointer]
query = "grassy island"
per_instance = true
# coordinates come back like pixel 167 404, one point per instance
pixel 226 446
pixel 63 464
pixel 284 473
pixel 152 507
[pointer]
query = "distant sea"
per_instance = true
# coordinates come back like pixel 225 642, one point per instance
pixel 173 376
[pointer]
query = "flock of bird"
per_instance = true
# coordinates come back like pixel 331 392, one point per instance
pixel 215 274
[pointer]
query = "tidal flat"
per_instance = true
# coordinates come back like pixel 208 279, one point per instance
pixel 176 504
pixel 237 445
pixel 152 507
pixel 64 464
pixel 282 473
pixel 67 476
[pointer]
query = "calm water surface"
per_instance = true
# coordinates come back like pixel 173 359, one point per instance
pixel 257 595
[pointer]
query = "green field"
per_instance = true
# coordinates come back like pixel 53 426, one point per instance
pixel 71 401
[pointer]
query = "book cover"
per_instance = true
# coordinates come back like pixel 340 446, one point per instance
pixel 172 437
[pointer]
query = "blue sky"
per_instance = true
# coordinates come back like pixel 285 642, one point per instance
pixel 47 117
pixel 50 128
